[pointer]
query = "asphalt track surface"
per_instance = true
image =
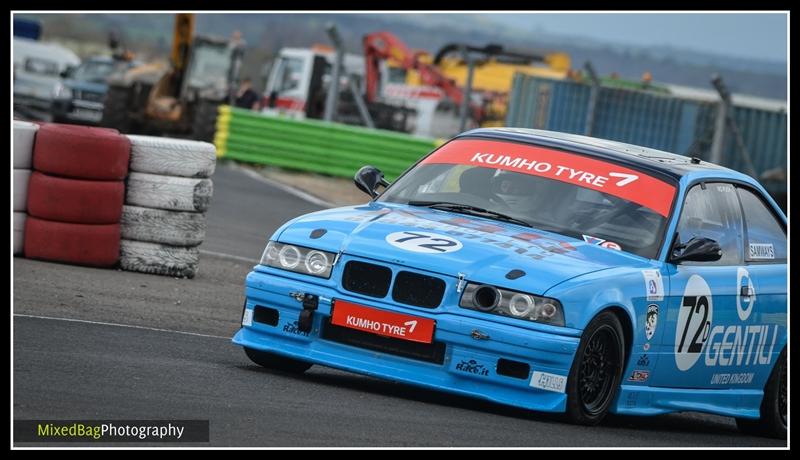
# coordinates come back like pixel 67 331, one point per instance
pixel 107 344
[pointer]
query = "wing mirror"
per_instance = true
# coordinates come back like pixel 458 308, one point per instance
pixel 697 249
pixel 368 178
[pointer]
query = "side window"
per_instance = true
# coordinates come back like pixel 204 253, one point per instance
pixel 713 212
pixel 766 238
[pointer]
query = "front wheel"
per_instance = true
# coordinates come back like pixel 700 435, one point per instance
pixel 596 371
pixel 273 361
pixel 772 422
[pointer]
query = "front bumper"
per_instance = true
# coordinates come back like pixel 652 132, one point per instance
pixel 470 366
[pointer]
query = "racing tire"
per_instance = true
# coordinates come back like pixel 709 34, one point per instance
pixel 773 420
pixel 21 179
pixel 159 226
pixel 75 201
pixel 80 244
pixel 277 362
pixel 204 122
pixel 115 109
pixel 170 193
pixel 596 370
pixel 81 152
pixel 172 157
pixel 19 231
pixel 24 137
pixel 159 259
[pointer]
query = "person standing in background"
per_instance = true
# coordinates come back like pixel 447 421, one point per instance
pixel 246 98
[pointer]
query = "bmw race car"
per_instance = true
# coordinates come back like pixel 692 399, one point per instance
pixel 547 271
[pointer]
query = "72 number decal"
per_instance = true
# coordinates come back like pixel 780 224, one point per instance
pixel 424 242
pixel 694 322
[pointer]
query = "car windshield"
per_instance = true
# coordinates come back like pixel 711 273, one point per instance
pixel 589 199
pixel 93 71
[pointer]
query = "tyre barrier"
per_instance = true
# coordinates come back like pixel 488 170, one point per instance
pixel 21 178
pixel 176 228
pixel 168 192
pixel 24 136
pixel 19 231
pixel 81 152
pixel 172 157
pixel 75 201
pixel 80 244
pixel 159 259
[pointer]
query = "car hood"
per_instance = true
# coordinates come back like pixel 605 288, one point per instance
pixel 489 250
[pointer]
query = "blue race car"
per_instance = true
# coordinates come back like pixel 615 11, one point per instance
pixel 547 271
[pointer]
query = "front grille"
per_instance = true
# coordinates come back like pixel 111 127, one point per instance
pixel 419 290
pixel 428 352
pixel 368 279
pixel 89 96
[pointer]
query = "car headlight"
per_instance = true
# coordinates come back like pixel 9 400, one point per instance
pixel 61 92
pixel 298 259
pixel 504 302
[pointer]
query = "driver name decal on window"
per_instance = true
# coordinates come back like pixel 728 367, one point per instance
pixel 571 168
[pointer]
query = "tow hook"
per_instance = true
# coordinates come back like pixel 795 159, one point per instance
pixel 478 335
pixel 310 304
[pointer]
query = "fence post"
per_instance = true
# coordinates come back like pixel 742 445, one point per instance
pixel 592 98
pixel 333 90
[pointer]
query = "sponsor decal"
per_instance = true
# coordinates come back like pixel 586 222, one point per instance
pixel 639 376
pixel 632 397
pixel 592 239
pixel 601 242
pixel 651 321
pixel 763 251
pixel 694 322
pixel 472 367
pixel 575 169
pixel 740 344
pixel 292 328
pixel 247 317
pixel 424 242
pixel 739 378
pixel 643 361
pixel 725 188
pixel 549 382
pixel 653 285
pixel 611 245
pixel 646 346
pixel 381 322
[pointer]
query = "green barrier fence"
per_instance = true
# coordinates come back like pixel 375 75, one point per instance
pixel 315 146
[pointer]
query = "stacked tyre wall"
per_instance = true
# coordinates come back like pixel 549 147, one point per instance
pixel 75 201
pixel 75 194
pixel 168 192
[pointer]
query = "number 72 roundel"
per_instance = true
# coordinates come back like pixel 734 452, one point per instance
pixel 694 322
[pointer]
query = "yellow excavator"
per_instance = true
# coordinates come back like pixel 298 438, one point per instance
pixel 494 69
pixel 179 99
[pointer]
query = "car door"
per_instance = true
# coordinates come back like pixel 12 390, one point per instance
pixel 702 295
pixel 762 302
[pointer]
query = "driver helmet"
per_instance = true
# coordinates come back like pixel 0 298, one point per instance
pixel 516 189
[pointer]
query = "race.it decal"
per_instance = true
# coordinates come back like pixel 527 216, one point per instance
pixel 694 322
pixel 639 376
pixel 761 251
pixel 653 285
pixel 424 242
pixel 741 344
pixel 575 169
pixel 549 382
pixel 651 321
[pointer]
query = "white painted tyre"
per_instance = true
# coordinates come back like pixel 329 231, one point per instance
pixel 168 192
pixel 19 231
pixel 178 228
pixel 24 136
pixel 158 259
pixel 21 177
pixel 172 157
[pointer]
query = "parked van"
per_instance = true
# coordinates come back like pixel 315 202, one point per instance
pixel 37 71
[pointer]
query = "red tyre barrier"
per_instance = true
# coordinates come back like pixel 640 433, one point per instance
pixel 81 152
pixel 95 245
pixel 75 201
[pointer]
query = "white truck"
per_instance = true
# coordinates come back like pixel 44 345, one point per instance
pixel 38 71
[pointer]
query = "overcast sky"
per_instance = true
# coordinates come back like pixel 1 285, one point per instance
pixel 751 35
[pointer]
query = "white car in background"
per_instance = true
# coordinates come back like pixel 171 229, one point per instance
pixel 37 72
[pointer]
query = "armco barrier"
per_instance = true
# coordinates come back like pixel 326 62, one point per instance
pixel 314 146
